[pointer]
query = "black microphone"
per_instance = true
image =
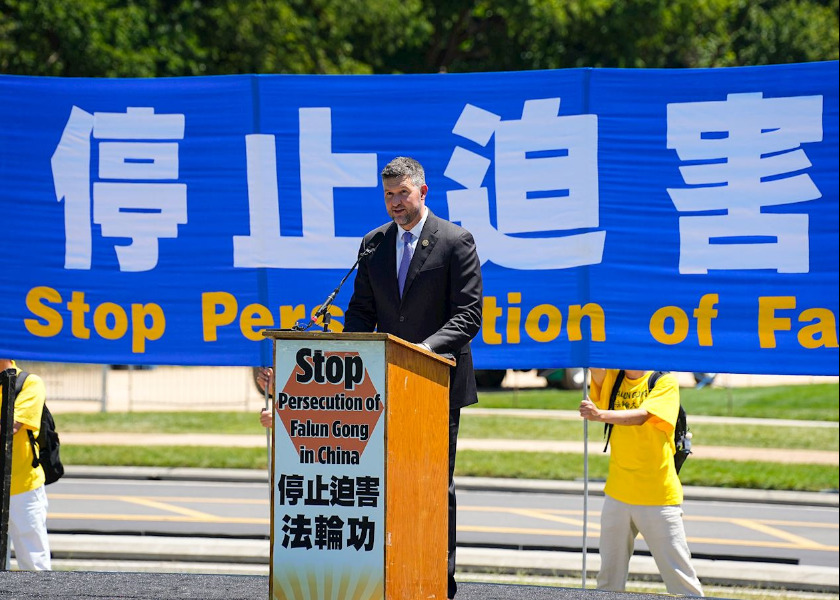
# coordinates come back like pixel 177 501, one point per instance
pixel 370 248
pixel 371 245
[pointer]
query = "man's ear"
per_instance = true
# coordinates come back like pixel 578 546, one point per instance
pixel 424 189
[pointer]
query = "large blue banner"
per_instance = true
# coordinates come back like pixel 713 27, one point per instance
pixel 683 220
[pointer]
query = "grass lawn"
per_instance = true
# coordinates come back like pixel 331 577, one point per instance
pixel 709 434
pixel 165 456
pixel 234 423
pixel 817 402
pixel 711 473
pixel 813 402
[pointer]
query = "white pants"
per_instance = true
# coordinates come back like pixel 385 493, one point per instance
pixel 663 530
pixel 28 530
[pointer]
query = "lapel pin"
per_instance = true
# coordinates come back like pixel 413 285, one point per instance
pixel 425 243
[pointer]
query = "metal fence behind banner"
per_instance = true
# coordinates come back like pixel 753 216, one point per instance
pixel 67 382
pixel 122 388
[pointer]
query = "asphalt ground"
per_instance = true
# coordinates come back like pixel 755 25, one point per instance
pixel 179 586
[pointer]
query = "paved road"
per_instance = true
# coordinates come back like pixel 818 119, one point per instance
pixel 752 532
pixel 756 532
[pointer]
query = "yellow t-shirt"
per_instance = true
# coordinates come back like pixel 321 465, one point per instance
pixel 642 456
pixel 28 406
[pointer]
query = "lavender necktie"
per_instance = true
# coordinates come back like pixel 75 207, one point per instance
pixel 406 260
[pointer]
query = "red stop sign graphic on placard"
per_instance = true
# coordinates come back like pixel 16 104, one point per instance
pixel 326 403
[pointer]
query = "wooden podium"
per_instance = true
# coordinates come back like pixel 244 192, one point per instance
pixel 359 477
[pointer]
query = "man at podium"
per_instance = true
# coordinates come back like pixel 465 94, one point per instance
pixel 423 284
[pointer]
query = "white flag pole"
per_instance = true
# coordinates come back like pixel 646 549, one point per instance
pixel 585 478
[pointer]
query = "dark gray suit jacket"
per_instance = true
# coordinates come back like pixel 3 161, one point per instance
pixel 441 303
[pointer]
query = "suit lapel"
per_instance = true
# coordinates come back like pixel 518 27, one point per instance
pixel 390 242
pixel 427 241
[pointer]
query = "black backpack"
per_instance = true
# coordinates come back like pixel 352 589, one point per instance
pixel 682 440
pixel 46 454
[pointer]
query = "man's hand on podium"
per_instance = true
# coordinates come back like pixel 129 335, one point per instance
pixel 428 348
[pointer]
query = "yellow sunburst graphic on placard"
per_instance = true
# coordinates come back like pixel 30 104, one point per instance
pixel 303 584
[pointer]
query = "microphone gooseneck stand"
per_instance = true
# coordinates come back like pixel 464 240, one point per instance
pixel 324 311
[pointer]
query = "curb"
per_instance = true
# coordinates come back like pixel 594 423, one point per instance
pixel 85 546
pixel 643 568
pixel 484 484
pixel 226 556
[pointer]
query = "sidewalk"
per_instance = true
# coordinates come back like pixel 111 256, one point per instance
pixel 573 415
pixel 778 455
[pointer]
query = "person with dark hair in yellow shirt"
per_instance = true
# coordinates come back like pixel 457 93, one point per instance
pixel 643 492
pixel 27 497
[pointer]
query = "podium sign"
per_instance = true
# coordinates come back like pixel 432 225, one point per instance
pixel 329 471
pixel 359 468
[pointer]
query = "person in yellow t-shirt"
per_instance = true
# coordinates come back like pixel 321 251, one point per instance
pixel 643 492
pixel 27 497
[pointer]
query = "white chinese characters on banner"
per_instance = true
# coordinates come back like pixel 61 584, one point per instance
pixel 321 172
pixel 741 155
pixel 546 182
pixel 564 179
pixel 136 194
pixel 747 156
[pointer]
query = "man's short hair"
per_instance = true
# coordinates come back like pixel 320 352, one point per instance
pixel 402 166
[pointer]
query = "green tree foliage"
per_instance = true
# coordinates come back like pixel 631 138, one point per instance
pixel 158 38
